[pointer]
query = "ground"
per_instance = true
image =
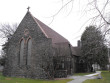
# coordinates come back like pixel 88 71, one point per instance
pixel 78 78
pixel 105 78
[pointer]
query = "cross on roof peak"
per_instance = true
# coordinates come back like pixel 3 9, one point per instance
pixel 28 8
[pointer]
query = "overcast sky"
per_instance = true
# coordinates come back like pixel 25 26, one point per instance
pixel 69 25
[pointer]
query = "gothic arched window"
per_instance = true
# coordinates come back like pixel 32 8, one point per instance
pixel 29 51
pixel 21 51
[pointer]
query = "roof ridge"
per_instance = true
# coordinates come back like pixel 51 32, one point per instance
pixel 38 24
pixel 41 28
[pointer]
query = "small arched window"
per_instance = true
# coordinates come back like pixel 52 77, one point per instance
pixel 21 51
pixel 29 51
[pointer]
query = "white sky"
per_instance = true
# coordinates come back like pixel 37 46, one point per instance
pixel 69 26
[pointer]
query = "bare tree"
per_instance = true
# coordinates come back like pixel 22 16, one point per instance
pixel 7 30
pixel 100 9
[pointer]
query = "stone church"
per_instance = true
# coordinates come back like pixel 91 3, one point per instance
pixel 37 51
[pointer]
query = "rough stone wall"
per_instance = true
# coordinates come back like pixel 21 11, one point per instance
pixel 41 57
pixel 42 53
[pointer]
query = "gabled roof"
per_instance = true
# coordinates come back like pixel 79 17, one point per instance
pixel 49 33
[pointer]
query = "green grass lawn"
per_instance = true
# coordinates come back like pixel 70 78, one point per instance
pixel 26 80
pixel 105 78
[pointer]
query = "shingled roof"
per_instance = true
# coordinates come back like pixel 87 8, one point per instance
pixel 50 33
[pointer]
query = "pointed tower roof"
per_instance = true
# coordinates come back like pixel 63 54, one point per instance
pixel 50 33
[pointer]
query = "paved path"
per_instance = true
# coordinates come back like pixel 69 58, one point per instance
pixel 80 79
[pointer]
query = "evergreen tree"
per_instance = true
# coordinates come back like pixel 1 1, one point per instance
pixel 93 48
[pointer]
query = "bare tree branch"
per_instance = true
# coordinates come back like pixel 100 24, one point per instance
pixel 7 30
pixel 63 6
pixel 102 11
